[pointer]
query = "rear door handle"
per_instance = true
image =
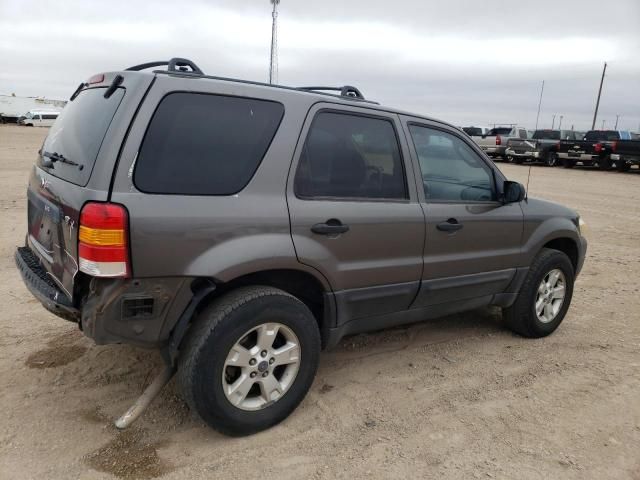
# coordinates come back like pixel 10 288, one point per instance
pixel 332 226
pixel 451 225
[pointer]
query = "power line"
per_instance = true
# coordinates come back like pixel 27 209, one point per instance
pixel 539 103
pixel 595 114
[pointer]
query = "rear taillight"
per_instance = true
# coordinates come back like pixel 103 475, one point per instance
pixel 102 242
pixel 558 146
pixel 498 140
pixel 597 147
pixel 614 145
pixel 99 78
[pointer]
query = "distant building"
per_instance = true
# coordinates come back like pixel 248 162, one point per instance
pixel 12 107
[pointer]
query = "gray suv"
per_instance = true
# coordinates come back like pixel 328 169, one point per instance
pixel 240 228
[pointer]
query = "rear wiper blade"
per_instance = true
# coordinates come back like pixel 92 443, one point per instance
pixel 57 157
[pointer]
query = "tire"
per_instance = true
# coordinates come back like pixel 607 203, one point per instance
pixel 568 163
pixel 509 158
pixel 551 160
pixel 622 166
pixel 604 163
pixel 521 317
pixel 203 366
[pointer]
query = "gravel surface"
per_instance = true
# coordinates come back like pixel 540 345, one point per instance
pixel 458 397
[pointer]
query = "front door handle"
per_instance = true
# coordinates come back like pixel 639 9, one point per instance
pixel 451 225
pixel 332 226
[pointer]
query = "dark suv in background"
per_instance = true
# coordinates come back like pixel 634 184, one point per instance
pixel 240 227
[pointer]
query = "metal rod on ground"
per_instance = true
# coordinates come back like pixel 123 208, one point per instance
pixel 595 114
pixel 539 104
pixel 144 400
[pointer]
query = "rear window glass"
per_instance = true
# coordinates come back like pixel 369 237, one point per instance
pixel 78 133
pixel 500 131
pixel 602 135
pixel 547 135
pixel 201 144
pixel 472 131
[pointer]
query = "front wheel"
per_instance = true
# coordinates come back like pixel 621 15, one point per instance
pixel 544 297
pixel 249 359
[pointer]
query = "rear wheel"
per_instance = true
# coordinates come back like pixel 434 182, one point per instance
pixel 249 360
pixel 544 297
pixel 568 163
pixel 551 160
pixel 509 158
pixel 622 166
pixel 605 163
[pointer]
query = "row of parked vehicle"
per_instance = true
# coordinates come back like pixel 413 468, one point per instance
pixel 605 149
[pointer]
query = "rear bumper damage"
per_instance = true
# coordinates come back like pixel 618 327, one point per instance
pixel 43 287
pixel 139 311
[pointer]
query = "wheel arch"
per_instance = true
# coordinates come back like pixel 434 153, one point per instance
pixel 566 245
pixel 313 291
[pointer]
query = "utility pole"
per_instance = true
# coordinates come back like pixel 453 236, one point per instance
pixel 617 118
pixel 595 114
pixel 539 104
pixel 602 124
pixel 273 62
pixel 553 122
pixel 560 124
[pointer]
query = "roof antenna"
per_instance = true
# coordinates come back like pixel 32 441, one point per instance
pixel 526 190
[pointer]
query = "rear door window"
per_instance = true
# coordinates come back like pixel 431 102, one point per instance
pixel 78 133
pixel 351 156
pixel 202 144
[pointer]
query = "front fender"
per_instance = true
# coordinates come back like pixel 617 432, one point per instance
pixel 539 232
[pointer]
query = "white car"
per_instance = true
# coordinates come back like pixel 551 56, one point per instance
pixel 38 118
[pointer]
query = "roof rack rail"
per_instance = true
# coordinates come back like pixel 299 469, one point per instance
pixel 346 91
pixel 178 65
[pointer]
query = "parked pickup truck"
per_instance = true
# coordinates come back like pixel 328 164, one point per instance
pixel 543 147
pixel 494 143
pixel 594 149
pixel 625 153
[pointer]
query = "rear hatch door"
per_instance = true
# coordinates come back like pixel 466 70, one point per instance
pixel 74 166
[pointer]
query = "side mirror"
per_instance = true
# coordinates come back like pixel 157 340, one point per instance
pixel 514 192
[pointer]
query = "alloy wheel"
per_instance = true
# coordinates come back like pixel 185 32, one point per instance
pixel 261 366
pixel 550 295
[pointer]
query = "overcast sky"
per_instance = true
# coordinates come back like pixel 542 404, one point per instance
pixel 467 62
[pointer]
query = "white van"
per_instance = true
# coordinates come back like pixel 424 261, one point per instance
pixel 38 118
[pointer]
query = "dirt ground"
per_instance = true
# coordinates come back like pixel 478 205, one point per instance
pixel 458 397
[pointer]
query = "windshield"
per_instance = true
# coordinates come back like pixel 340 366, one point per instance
pixel 500 131
pixel 602 136
pixel 28 115
pixel 77 134
pixel 546 135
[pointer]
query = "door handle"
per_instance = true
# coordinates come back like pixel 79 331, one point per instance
pixel 451 225
pixel 332 226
